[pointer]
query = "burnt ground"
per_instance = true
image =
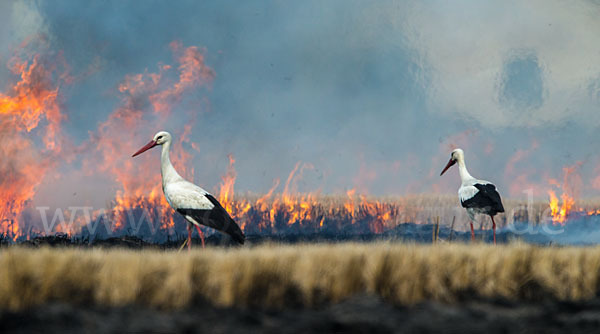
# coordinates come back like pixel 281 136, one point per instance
pixel 360 314
pixel 420 233
pixel 583 231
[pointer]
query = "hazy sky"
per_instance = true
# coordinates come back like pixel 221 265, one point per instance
pixel 373 95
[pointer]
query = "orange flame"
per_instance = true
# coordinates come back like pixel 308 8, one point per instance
pixel 349 204
pixel 570 186
pixel 560 213
pixel 289 208
pixel 226 190
pixel 29 110
pixel 116 139
pixel 30 107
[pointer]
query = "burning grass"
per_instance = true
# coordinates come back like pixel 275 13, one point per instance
pixel 300 215
pixel 302 275
pixel 349 214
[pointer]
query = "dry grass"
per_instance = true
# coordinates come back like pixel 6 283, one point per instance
pixel 304 275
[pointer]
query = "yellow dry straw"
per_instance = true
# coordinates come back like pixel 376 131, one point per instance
pixel 298 275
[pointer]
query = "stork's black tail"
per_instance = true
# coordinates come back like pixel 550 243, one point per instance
pixel 227 224
pixel 234 231
pixel 217 218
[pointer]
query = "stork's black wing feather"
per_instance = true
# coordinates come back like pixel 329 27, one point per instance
pixel 217 218
pixel 487 198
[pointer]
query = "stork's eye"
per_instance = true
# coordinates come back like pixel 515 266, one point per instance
pixel 158 138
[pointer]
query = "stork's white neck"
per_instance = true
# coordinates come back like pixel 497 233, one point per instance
pixel 462 170
pixel 168 172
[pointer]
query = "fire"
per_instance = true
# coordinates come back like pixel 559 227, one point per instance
pixel 349 204
pixel 273 213
pixel 290 209
pixel 226 191
pixel 261 203
pixel 148 99
pixel 29 113
pixel 32 99
pixel 296 206
pixel 570 186
pixel 560 212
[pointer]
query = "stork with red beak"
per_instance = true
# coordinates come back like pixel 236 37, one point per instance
pixel 477 196
pixel 195 204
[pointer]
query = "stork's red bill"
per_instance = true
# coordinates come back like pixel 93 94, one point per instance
pixel 146 147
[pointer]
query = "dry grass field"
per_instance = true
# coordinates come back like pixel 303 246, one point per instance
pixel 277 276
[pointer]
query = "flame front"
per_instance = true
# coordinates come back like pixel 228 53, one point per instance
pixel 570 186
pixel 29 113
pixel 291 210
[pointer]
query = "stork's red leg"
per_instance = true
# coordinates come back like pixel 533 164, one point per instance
pixel 472 232
pixel 189 238
pixel 494 228
pixel 201 234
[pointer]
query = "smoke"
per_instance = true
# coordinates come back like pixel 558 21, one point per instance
pixel 373 96
pixel 510 63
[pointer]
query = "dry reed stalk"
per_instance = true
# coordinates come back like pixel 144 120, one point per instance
pixel 306 275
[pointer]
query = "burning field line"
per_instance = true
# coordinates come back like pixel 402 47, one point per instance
pixel 314 213
pixel 303 275
pixel 292 214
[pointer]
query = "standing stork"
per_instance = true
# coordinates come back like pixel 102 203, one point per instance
pixel 195 204
pixel 477 196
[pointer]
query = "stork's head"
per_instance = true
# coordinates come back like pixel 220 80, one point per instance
pixel 455 156
pixel 160 138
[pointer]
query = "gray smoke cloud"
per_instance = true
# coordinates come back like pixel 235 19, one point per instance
pixel 374 95
pixel 511 63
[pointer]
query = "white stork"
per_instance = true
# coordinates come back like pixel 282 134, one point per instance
pixel 477 196
pixel 192 202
